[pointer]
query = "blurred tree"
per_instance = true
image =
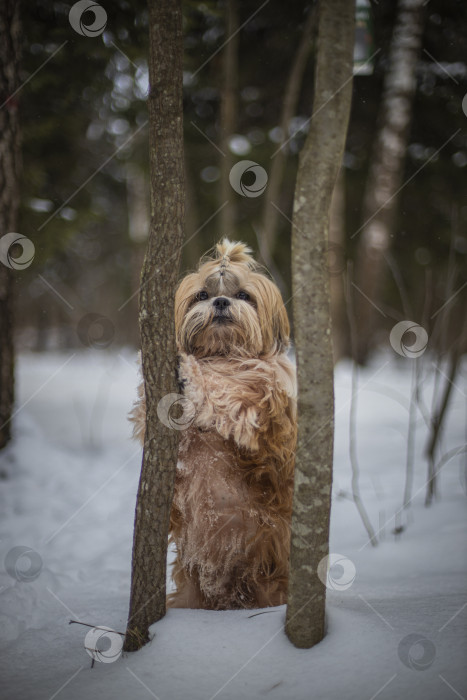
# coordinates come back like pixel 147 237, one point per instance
pixel 228 116
pixel 386 170
pixel 10 53
pixel 336 264
pixel 82 119
pixel 293 86
pixel 157 304
pixel 317 173
pixel 81 128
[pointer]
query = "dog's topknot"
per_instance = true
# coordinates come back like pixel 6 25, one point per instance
pixel 235 252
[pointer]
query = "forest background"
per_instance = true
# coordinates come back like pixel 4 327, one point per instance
pixel 85 192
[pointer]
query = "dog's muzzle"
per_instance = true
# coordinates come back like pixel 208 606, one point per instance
pixel 221 310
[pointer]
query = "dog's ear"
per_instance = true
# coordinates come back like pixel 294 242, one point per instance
pixel 275 328
pixel 281 326
pixel 183 298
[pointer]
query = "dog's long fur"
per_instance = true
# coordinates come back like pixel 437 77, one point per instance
pixel 230 519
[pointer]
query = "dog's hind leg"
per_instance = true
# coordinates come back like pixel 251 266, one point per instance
pixel 187 593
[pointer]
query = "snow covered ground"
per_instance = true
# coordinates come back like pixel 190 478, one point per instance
pixel 68 490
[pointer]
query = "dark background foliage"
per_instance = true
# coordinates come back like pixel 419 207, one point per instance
pixel 85 189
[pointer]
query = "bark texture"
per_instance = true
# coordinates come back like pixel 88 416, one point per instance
pixel 387 166
pixel 318 168
pixel 10 53
pixel 159 278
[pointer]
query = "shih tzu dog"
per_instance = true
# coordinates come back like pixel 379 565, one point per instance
pixel 230 519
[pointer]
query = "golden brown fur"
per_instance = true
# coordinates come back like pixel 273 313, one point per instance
pixel 233 491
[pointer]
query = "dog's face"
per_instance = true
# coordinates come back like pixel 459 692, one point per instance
pixel 227 307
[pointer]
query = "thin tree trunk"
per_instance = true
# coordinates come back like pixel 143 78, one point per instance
pixel 440 413
pixel 414 390
pixel 387 166
pixel 336 265
pixel 412 425
pixel 10 53
pixel 318 168
pixel 357 499
pixel 229 115
pixel 289 108
pixel 193 248
pixel 441 340
pixel 159 278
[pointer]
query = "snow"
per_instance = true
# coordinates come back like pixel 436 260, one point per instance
pixel 68 488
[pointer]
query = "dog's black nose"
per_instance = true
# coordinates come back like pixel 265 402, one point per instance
pixel 221 303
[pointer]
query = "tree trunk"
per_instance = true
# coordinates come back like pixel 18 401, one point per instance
pixel 229 108
pixel 318 168
pixel 10 53
pixel 158 282
pixel 336 264
pixel 387 166
pixel 439 414
pixel 278 159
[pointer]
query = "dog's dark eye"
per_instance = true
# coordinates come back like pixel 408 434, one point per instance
pixel 244 296
pixel 201 296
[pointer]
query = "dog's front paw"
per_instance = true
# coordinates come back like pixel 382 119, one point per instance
pixel 189 371
pixel 245 428
pixel 190 378
pixel 181 380
pixel 239 424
